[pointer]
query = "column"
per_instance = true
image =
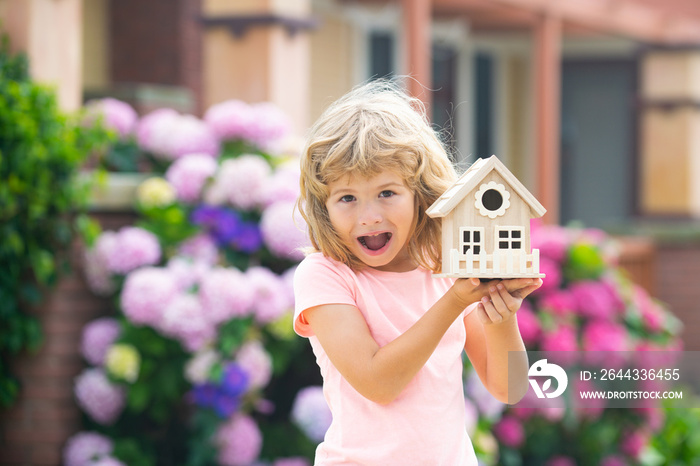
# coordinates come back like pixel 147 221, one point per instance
pixel 416 31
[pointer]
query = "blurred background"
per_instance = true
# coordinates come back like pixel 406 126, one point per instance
pixel 594 105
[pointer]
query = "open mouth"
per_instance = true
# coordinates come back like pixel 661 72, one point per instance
pixel 375 242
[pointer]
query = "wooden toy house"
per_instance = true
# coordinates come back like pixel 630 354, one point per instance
pixel 486 224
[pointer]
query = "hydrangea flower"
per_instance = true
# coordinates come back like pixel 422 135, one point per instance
pixel 98 397
pixel 239 441
pixel 294 461
pixel 225 225
pixel 97 273
pixel 200 248
pixel 229 120
pixel 123 361
pixel 187 272
pixel 269 127
pixel 107 461
pixel 596 299
pixel 283 230
pixel 84 448
pixel 310 412
pixel 155 192
pixel 269 303
pixel 115 114
pixel 185 319
pixel 240 181
pixel 97 337
pixel 189 174
pixel 487 405
pixel 529 324
pixel 559 302
pixel 225 293
pixel 145 294
pixel 134 247
pixel 198 368
pixel 225 397
pixel 509 431
pixel 257 363
pixel 283 186
pixel 169 135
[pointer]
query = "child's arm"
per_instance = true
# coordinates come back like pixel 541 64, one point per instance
pixel 492 331
pixel 381 373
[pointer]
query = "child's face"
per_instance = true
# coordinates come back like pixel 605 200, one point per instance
pixel 374 218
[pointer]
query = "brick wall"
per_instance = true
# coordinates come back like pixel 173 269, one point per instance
pixel 34 431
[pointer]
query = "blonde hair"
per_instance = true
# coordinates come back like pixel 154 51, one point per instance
pixel 373 128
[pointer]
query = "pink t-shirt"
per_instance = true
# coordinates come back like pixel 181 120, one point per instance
pixel 425 425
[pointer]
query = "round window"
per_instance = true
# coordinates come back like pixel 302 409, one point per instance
pixel 492 199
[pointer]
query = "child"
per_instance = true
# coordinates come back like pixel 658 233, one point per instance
pixel 387 335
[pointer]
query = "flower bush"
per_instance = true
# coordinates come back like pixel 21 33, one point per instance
pixel 201 365
pixel 190 370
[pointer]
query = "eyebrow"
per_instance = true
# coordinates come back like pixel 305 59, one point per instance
pixel 348 189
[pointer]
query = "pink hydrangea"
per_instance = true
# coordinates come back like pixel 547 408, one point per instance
pixel 559 302
pixel 229 120
pixel 613 460
pixel 97 273
pixel 102 400
pixel 552 241
pixel 146 292
pixel 270 125
pixel 201 248
pixel 288 285
pixel 239 441
pixel 187 272
pixel 185 319
pixel 553 278
pixel 133 247
pixel 225 293
pixel 310 412
pixel 107 461
pixel 169 135
pixel 189 174
pixel 116 115
pixel 652 314
pixel 253 359
pixel 199 366
pixel 590 409
pixel 283 186
pixel 596 299
pixel 633 443
pixel 269 303
pixel 561 343
pixel 529 324
pixel 97 337
pixel 509 431
pixel 601 335
pixel 240 181
pixel 283 230
pixel 83 448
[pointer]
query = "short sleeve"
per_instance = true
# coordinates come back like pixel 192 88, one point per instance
pixel 318 281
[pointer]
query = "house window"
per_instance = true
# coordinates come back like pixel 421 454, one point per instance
pixel 471 238
pixel 510 237
pixel 492 199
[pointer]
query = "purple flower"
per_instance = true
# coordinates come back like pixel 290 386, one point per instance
pixel 134 247
pixel 225 293
pixel 116 115
pixel 284 230
pixel 97 337
pixel 509 431
pixel 239 441
pixel 269 304
pixel 185 319
pixel 310 412
pixel 204 395
pixel 262 124
pixel 189 174
pixel 249 238
pixel 256 362
pixel 107 461
pixel 83 448
pixel 223 224
pixel 487 405
pixel 235 380
pixel 145 294
pixel 99 397
pixel 97 273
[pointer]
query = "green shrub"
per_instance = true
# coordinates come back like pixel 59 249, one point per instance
pixel 41 150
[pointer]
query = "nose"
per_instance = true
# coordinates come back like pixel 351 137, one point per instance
pixel 370 214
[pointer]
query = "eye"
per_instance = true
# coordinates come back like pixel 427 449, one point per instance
pixel 386 193
pixel 347 198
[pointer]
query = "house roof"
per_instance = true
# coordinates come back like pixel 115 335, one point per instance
pixel 471 178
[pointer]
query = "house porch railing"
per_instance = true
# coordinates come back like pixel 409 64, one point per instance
pixel 500 264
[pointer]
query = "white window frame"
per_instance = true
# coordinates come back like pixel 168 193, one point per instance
pixel 481 243
pixel 510 240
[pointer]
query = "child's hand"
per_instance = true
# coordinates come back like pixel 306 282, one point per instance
pixel 504 299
